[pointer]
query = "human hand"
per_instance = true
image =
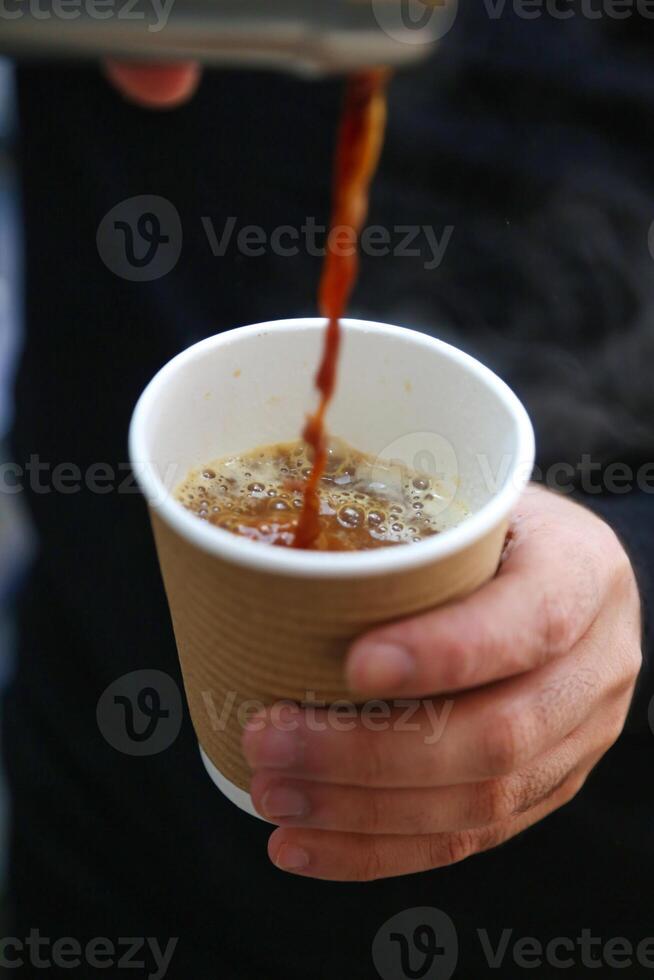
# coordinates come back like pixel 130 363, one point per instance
pixel 539 668
pixel 154 86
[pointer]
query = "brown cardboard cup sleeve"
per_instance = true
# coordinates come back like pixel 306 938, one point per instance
pixel 254 624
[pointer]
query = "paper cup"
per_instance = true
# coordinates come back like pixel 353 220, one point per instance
pixel 255 624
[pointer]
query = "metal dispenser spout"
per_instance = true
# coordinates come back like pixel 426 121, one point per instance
pixel 306 36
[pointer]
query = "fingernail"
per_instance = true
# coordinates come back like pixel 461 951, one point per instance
pixel 282 801
pixel 270 748
pixel 379 667
pixel 291 858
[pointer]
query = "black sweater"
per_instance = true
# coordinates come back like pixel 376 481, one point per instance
pixel 533 139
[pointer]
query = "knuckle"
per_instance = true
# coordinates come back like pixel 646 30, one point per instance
pixel 469 640
pixel 610 544
pixel 555 623
pixel 457 664
pixel 606 539
pixel 502 745
pixel 621 569
pixel 630 667
pixel 626 662
pixel 625 585
pixel 634 660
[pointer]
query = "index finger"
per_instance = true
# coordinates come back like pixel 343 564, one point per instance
pixel 546 594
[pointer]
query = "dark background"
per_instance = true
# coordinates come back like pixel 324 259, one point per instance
pixel 533 139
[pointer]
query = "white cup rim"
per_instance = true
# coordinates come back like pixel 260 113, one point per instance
pixel 314 564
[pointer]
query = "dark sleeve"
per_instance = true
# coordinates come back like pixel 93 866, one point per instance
pixel 530 158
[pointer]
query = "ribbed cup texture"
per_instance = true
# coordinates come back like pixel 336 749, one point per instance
pixel 246 637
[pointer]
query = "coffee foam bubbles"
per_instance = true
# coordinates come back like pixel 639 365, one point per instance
pixel 365 501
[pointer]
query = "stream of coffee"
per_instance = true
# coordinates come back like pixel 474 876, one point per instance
pixel 360 139
pixel 320 493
